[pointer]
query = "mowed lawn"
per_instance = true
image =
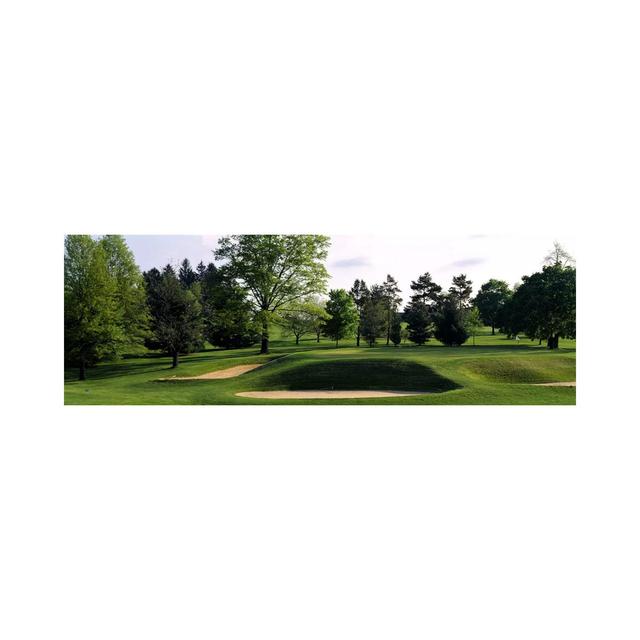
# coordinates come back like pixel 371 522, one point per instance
pixel 495 371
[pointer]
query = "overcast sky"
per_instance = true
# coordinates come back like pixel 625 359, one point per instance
pixel 372 257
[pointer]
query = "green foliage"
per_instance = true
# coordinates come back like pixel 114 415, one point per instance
pixel 460 291
pixel 93 323
pixel 426 291
pixel 392 300
pixel 130 293
pixel 229 320
pixel 450 324
pixel 276 269
pixel 186 274
pixel 343 315
pixel 544 306
pixel 418 317
pixel 473 322
pixel 490 301
pixel 301 318
pixel 373 316
pixel 395 333
pixel 360 294
pixel 176 315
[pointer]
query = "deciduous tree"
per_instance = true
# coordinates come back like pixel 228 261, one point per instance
pixel 342 315
pixel 93 326
pixel 276 270
pixel 490 300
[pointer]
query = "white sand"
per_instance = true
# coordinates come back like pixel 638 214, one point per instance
pixel 555 384
pixel 321 395
pixel 231 372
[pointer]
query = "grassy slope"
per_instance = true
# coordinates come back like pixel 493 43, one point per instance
pixel 495 371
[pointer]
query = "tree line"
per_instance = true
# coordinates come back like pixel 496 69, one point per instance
pixel 111 308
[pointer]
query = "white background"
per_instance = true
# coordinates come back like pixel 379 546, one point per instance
pixel 336 117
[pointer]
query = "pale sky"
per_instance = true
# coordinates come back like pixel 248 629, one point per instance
pixel 372 257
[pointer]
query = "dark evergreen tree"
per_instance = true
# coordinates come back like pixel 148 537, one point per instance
pixel 360 293
pixel 187 275
pixel 176 315
pixel 391 302
pixel 450 324
pixel 425 290
pixel 373 315
pixel 396 329
pixel 460 291
pixel 228 315
pixel 418 317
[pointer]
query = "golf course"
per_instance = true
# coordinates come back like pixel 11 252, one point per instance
pixel 495 371
pixel 259 324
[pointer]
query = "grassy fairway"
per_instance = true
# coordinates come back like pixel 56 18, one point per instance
pixel 495 371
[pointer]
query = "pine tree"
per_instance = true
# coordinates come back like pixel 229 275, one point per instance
pixel 460 291
pixel 360 293
pixel 392 300
pixel 176 316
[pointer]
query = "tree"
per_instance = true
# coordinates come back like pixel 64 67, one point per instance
pixel 460 291
pixel 302 318
pixel 419 321
pixel 176 315
pixel 373 316
pixel 396 329
pixel 360 293
pixel 228 315
pixel 425 290
pixel 391 300
pixel 473 322
pixel 276 270
pixel 92 320
pixel 343 315
pixel 130 294
pixel 449 321
pixel 544 306
pixel 201 270
pixel 558 256
pixel 490 300
pixel 187 275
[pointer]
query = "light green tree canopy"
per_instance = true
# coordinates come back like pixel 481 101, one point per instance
pixel 276 270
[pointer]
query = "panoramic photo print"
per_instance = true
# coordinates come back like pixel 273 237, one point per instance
pixel 318 319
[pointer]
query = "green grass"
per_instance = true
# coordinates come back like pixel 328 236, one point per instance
pixel 495 371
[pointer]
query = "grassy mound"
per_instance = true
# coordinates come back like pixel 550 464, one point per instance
pixel 361 373
pixel 523 370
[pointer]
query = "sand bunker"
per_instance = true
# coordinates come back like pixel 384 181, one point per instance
pixel 325 395
pixel 231 372
pixel 555 384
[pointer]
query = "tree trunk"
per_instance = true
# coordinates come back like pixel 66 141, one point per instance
pixel 264 345
pixel 493 329
pixel 83 371
pixel 318 337
pixel 552 341
pixel 336 344
pixel 358 337
pixel 175 360
pixel 297 339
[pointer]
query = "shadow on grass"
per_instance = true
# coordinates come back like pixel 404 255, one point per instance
pixel 356 374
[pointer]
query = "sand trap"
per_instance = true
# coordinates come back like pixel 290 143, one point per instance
pixel 326 395
pixel 231 372
pixel 555 384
